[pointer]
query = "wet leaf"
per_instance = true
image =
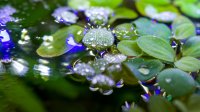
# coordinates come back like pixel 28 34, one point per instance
pixel 176 82
pixel 157 2
pixel 128 76
pixel 159 104
pixel 106 3
pixel 144 69
pixel 129 48
pixel 98 38
pixel 192 47
pixel 183 28
pixel 189 64
pixel 156 47
pixel 123 13
pixel 125 31
pixel 162 12
pixel 20 95
pixel 58 45
pixel 190 8
pixel 146 27
pixel 79 4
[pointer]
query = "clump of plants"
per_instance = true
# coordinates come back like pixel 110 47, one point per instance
pixel 159 52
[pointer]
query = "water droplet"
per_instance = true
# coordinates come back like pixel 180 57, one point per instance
pixel 144 71
pixel 168 80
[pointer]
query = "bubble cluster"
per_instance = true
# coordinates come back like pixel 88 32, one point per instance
pixel 114 58
pixel 100 65
pixel 102 80
pixel 98 15
pixel 64 15
pixel 84 69
pixel 98 38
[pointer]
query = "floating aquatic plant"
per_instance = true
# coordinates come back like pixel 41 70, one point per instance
pixel 104 47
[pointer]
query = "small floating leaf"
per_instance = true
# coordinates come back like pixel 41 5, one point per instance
pixel 162 12
pixel 79 4
pixel 106 3
pixel 183 28
pixel 99 38
pixel 192 47
pixel 129 48
pixel 123 13
pixel 176 82
pixel 147 27
pixel 157 48
pixel 125 31
pixel 190 9
pixel 56 45
pixel 128 76
pixel 189 64
pixel 144 69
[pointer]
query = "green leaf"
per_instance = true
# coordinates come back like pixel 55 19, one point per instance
pixel 159 12
pixel 128 76
pixel 189 64
pixel 129 48
pixel 79 4
pixel 144 69
pixel 183 28
pixel 157 48
pixel 176 82
pixel 159 104
pixel 146 27
pixel 58 45
pixel 20 95
pixel 106 3
pixel 123 13
pixel 125 31
pixel 190 9
pixel 157 2
pixel 192 47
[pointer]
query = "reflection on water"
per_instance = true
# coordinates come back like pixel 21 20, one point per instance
pixel 19 67
pixel 42 68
